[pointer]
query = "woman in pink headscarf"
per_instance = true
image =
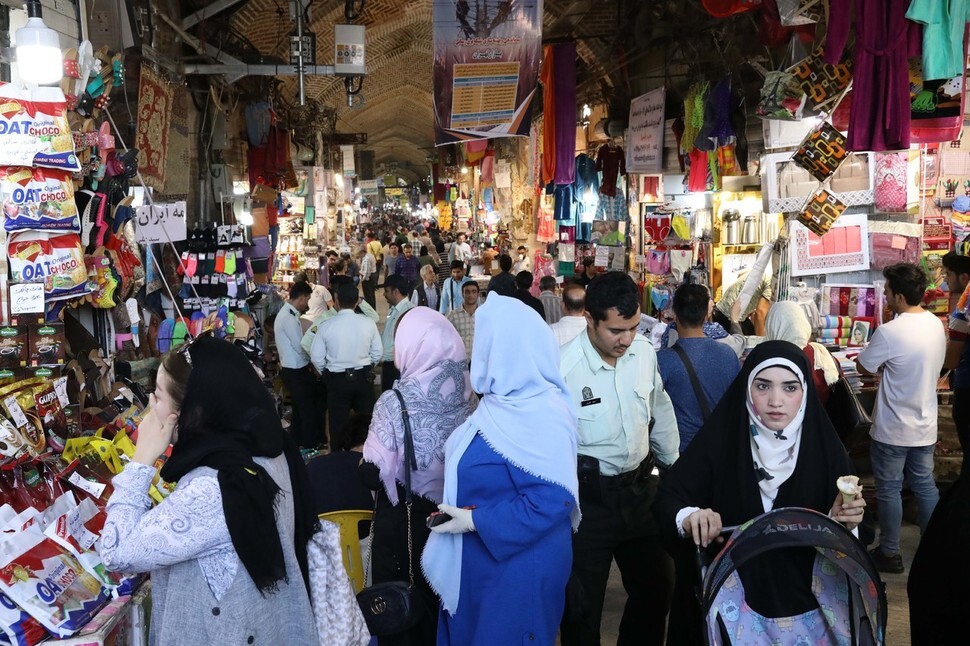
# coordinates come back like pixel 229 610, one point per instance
pixel 435 388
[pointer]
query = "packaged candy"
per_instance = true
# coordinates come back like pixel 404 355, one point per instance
pixel 38 198
pixel 14 347
pixel 17 626
pixel 19 406
pixel 79 531
pixel 48 582
pixel 54 259
pixel 51 416
pixel 12 443
pixel 85 478
pixel 34 130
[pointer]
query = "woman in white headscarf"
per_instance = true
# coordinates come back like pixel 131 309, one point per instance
pixel 786 321
pixel 502 562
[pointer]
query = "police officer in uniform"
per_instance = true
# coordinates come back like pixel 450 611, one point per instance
pixel 612 374
pixel 344 351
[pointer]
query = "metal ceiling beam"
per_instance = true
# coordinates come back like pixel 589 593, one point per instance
pixel 208 11
pixel 238 70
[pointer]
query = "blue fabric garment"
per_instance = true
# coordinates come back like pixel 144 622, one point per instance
pixel 716 366
pixel 514 568
pixel 711 331
pixel 587 177
pixel 563 195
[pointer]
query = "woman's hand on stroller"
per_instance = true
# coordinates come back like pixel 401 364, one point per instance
pixel 848 513
pixel 704 526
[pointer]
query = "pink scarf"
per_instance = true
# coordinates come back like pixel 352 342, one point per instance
pixel 434 382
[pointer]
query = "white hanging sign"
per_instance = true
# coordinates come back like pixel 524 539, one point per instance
pixel 160 223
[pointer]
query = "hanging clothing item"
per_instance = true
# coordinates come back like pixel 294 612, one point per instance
pixel 475 150
pixel 677 127
pixel 488 168
pixel 880 118
pixel 697 175
pixel 739 120
pixel 944 22
pixel 547 224
pixel 565 86
pixel 586 177
pixel 610 161
pixel 720 102
pixel 547 76
pixel 612 208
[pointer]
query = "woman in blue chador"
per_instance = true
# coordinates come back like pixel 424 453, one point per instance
pixel 501 564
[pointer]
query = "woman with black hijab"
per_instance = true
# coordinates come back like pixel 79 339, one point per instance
pixel 767 445
pixel 227 550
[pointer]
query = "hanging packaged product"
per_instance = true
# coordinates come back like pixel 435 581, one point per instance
pixel 19 406
pixel 38 198
pixel 822 152
pixel 47 581
pixel 54 259
pixel 34 130
pixel 821 212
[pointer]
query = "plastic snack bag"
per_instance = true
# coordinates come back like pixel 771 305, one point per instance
pixel 38 198
pixel 78 530
pixel 48 583
pixel 17 626
pixel 55 259
pixel 34 130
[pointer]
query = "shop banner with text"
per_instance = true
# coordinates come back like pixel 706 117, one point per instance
pixel 645 139
pixel 486 66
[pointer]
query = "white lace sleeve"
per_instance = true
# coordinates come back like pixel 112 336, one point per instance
pixel 189 524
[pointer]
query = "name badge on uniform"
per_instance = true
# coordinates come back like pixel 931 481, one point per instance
pixel 588 399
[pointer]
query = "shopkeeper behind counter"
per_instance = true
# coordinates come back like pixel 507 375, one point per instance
pixel 750 317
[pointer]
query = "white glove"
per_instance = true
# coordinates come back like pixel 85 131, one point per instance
pixel 461 521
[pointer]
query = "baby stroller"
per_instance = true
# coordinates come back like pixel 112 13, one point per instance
pixel 845 581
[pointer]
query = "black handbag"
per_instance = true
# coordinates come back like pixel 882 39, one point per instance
pixel 849 417
pixel 393 607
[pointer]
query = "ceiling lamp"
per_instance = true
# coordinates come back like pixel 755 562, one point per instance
pixel 39 59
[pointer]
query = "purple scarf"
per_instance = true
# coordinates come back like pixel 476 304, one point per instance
pixel 434 382
pixel 564 66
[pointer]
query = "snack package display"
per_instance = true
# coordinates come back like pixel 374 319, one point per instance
pixel 18 404
pixel 849 486
pixel 38 198
pixel 17 626
pixel 54 259
pixel 48 344
pixel 12 443
pixel 51 416
pixel 34 130
pixel 14 346
pixel 48 582
pixel 78 530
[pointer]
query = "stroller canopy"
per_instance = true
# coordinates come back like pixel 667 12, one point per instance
pixel 846 583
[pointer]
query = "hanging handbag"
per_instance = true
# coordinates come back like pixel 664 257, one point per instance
pixel 821 212
pixel 822 152
pixel 393 607
pixel 850 419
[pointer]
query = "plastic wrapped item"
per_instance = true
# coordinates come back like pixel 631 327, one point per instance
pixel 48 582
pixel 54 259
pixel 34 130
pixel 19 628
pixel 51 416
pixel 38 198
pixel 78 530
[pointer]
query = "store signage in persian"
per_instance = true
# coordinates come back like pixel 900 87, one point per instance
pixel 160 223
pixel 645 142
pixel 486 66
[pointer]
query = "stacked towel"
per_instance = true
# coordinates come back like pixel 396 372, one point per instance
pixel 848 300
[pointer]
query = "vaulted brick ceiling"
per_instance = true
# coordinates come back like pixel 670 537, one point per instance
pixel 396 112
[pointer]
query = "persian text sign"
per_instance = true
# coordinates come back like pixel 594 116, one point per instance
pixel 645 145
pixel 486 65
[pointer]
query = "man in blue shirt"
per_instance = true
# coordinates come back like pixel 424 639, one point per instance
pixel 714 364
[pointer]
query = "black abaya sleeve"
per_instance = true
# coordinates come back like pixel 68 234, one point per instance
pixel 688 483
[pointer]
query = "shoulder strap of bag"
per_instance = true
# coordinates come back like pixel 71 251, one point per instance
pixel 694 382
pixel 410 462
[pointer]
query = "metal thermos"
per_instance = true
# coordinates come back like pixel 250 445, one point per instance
pixel 732 224
pixel 749 230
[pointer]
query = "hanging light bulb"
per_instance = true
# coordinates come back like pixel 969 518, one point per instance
pixel 39 58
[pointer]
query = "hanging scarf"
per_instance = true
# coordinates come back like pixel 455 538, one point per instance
pixel 786 321
pixel 434 382
pixel 224 423
pixel 525 416
pixel 775 453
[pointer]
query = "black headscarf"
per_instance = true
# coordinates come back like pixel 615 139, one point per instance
pixel 227 419
pixel 717 471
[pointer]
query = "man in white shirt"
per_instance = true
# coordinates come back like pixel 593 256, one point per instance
pixel 522 260
pixel 573 320
pixel 461 250
pixel 307 420
pixel 463 318
pixel 368 274
pixel 396 289
pixel 616 388
pixel 363 307
pixel 344 350
pixel 451 290
pixel 908 352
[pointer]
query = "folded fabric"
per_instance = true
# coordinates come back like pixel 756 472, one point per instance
pixel 836 321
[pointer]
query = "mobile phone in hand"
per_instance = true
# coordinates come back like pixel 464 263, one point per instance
pixel 437 518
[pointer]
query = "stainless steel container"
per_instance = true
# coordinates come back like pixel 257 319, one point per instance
pixel 731 220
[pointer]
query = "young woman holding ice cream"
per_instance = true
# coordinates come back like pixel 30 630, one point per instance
pixel 767 445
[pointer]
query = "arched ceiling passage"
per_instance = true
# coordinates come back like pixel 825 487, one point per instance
pixel 396 112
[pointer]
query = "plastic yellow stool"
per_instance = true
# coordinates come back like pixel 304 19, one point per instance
pixel 348 522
